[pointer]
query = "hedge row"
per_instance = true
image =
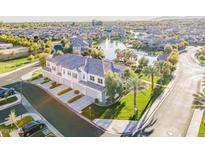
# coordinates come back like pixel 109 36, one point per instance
pixel 74 98
pixel 54 85
pixel 64 91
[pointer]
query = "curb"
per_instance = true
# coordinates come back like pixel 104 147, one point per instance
pixel 18 101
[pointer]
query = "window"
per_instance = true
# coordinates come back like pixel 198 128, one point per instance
pixel 75 75
pixel 83 76
pixel 69 73
pixel 92 78
pixel 100 81
pixel 48 64
pixel 63 71
pixel 54 68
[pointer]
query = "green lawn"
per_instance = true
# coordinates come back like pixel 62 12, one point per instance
pixel 10 65
pixel 146 78
pixel 8 100
pixel 202 127
pixel 124 109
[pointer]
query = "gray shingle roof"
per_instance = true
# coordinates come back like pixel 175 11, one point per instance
pixel 90 65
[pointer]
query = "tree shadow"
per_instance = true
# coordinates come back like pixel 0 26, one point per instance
pixel 146 130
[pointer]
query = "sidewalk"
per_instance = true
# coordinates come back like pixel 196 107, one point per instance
pixel 117 126
pixel 28 65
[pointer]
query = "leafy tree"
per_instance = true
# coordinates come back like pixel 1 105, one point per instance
pixel 47 50
pixel 96 53
pixel 64 42
pixel 59 53
pixel 114 85
pixel 168 48
pixel 173 57
pixel 42 59
pixel 31 57
pixel 142 63
pixel 164 69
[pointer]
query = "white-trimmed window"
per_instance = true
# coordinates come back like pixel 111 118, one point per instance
pixel 74 75
pixel 54 68
pixel 92 78
pixel 100 81
pixel 69 73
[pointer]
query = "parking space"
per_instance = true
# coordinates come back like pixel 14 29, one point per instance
pixel 67 96
pixel 81 103
pixel 77 105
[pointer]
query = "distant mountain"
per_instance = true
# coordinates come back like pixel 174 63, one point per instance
pixel 178 17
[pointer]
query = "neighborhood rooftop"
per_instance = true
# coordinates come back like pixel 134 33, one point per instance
pixel 89 65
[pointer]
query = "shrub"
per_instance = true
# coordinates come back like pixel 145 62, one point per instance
pixel 1 53
pixel 13 53
pixel 31 57
pixel 76 91
pixel 45 80
pixel 74 98
pixel 54 85
pixel 24 121
pixel 64 91
pixel 8 100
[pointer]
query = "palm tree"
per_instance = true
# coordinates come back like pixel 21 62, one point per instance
pixel 150 72
pixel 163 69
pixel 199 100
pixel 137 86
pixel 12 118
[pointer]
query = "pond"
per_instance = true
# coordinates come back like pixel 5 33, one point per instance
pixel 109 47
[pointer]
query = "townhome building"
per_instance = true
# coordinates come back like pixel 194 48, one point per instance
pixel 81 73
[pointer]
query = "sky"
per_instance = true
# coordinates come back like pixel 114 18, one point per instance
pixel 15 19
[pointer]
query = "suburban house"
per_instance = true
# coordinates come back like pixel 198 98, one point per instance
pixel 78 44
pixel 81 73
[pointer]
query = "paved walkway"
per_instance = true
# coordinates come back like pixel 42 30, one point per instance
pixel 117 126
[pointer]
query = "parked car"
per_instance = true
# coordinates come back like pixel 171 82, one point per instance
pixel 5 92
pixel 31 127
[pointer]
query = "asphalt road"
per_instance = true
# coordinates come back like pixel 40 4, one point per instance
pixel 14 77
pixel 64 120
pixel 175 113
pixel 19 110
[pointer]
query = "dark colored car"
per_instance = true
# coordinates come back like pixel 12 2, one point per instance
pixel 31 127
pixel 5 92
